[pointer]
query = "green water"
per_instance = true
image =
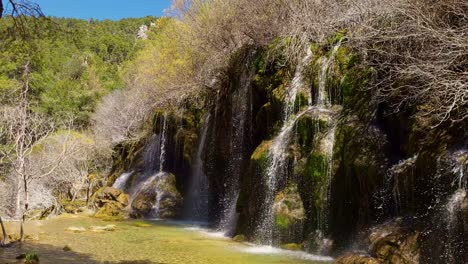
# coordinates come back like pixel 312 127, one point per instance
pixel 137 242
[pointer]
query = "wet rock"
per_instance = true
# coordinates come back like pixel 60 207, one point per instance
pixel 291 246
pixel 391 243
pixel 66 248
pixel 75 229
pixel 99 229
pixel 239 238
pixel 158 197
pixel 107 193
pixel 357 259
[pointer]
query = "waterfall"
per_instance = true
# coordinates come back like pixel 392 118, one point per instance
pixel 277 157
pixel 159 193
pixel 296 84
pixel 454 210
pixel 277 154
pixel 240 134
pixel 154 157
pixel 198 194
pixel 278 151
pixel 121 182
pixel 323 96
pixel 328 144
pixel 162 157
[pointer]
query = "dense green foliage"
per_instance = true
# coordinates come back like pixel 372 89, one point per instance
pixel 73 62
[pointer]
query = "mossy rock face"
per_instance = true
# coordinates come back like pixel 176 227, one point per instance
pixel 260 155
pixel 125 155
pixel 266 119
pixel 158 195
pixel 309 127
pixel 360 162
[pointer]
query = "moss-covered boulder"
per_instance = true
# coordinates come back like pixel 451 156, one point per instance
pixel 110 203
pixel 73 207
pixel 289 214
pixel 239 238
pixel 357 259
pixel 158 197
pixel 291 246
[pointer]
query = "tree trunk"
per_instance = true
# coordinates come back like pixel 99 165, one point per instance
pixel 18 198
pixel 88 191
pixel 26 206
pixel 3 242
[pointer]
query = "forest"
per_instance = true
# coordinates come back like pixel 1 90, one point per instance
pixel 271 131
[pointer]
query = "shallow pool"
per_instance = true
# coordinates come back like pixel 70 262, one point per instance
pixel 95 241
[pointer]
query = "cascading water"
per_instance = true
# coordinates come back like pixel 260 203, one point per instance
pixel 162 157
pixel 159 191
pixel 296 84
pixel 328 144
pixel 198 194
pixel 277 157
pixel 323 104
pixel 241 126
pixel 121 182
pixel 154 157
pixel 454 209
pixel 323 97
pixel 277 154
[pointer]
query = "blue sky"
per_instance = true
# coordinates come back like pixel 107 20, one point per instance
pixel 103 9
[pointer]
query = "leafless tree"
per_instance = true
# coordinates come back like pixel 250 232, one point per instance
pixel 121 113
pixel 25 129
pixel 422 59
pixel 19 8
pixel 21 11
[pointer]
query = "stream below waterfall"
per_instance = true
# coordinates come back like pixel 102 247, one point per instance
pixel 139 242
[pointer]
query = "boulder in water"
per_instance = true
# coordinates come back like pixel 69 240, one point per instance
pixel 391 243
pixel 388 243
pixel 110 203
pixel 357 259
pixel 158 197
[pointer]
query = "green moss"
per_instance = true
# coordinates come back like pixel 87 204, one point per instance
pixel 261 152
pixel 141 224
pixel 239 238
pixel 316 166
pixel 301 101
pixel 307 128
pixel 111 211
pixel 73 207
pixel 289 211
pixel 291 246
pixel 282 221
pixel 31 257
pixel 346 80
